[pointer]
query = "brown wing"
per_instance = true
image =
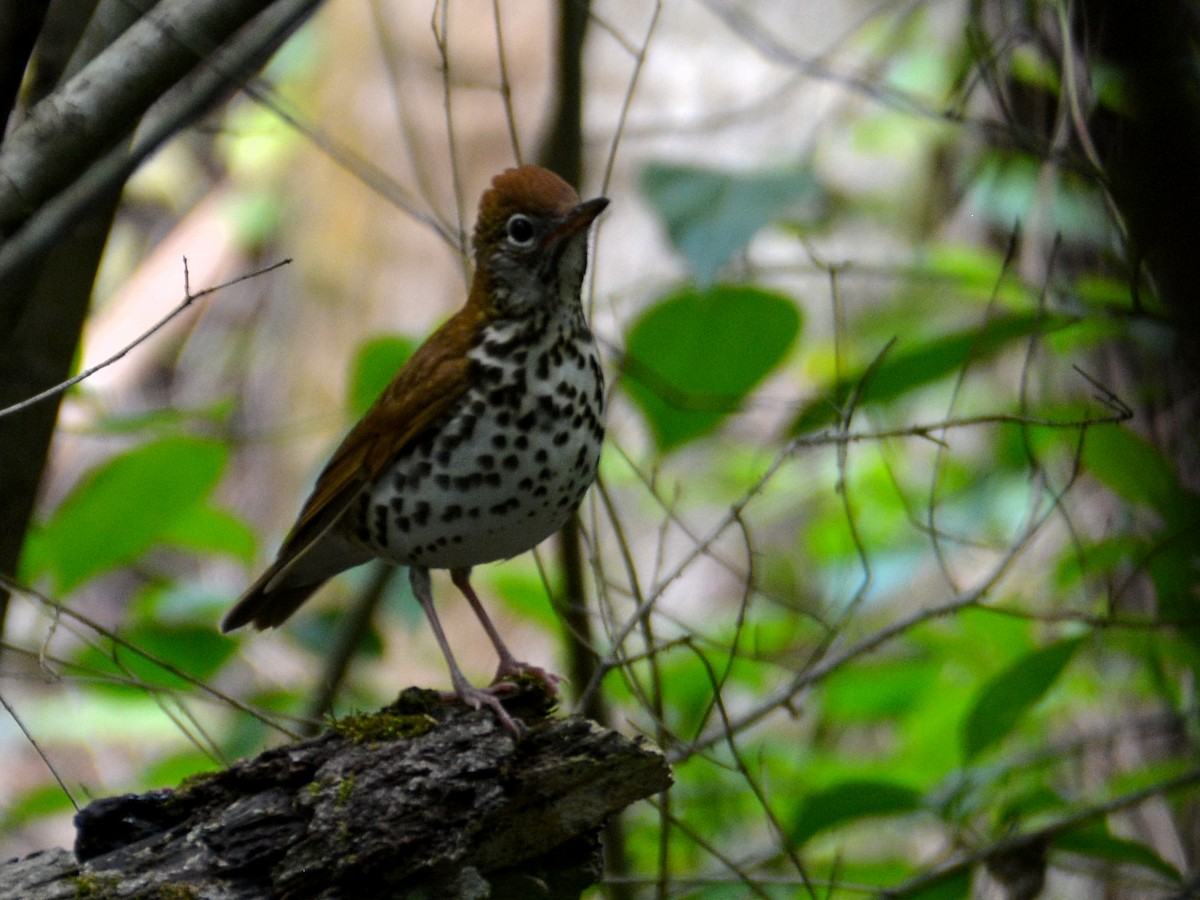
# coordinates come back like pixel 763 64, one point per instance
pixel 426 386
pixel 424 389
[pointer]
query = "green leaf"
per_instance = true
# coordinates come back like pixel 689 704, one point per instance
pixel 1174 569
pixel 254 214
pixel 710 215
pixel 970 272
pixel 1133 468
pixel 124 506
pixel 1095 840
pixel 1038 800
pixel 204 529
pixel 180 601
pixel 954 885
pixel 181 769
pixel 39 802
pixel 1035 69
pixel 886 689
pixel 692 358
pixel 522 590
pixel 911 367
pixel 1100 290
pixel 1004 191
pixel 849 801
pixel 377 362
pixel 197 649
pixel 1009 695
pixel 1137 471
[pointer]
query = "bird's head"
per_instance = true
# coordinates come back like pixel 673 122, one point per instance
pixel 531 241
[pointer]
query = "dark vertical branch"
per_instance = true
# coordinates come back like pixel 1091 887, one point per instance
pixel 562 149
pixel 562 152
pixel 42 305
pixel 36 354
pixel 45 288
pixel 347 641
pixel 20 23
pixel 1150 149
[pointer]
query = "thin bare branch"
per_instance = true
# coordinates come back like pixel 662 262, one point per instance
pixel 188 299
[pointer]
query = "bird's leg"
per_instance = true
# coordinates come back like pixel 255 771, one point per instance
pixel 509 666
pixel 473 696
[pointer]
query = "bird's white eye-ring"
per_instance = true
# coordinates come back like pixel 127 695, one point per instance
pixel 519 229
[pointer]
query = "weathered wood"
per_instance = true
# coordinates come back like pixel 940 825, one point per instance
pixel 422 799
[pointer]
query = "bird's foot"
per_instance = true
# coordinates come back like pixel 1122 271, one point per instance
pixel 511 670
pixel 478 698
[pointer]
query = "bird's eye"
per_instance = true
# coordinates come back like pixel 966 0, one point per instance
pixel 520 230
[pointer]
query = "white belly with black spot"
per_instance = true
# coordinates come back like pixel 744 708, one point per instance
pixel 505 471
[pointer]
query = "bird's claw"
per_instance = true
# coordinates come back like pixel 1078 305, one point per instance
pixel 477 698
pixel 509 671
pixel 512 678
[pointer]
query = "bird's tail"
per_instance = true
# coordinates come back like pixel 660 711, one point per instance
pixel 311 554
pixel 265 604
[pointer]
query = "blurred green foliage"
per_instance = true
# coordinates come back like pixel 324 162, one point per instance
pixel 929 718
pixel 98 527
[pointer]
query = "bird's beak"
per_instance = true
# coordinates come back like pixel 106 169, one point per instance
pixel 575 221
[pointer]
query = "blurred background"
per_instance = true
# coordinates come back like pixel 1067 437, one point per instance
pixel 894 548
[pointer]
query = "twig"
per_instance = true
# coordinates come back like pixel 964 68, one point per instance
pixel 1044 834
pixel 59 611
pixel 362 168
pixel 815 673
pixel 506 84
pixel 390 52
pixel 785 842
pixel 40 752
pixel 439 23
pixel 188 299
pixel 752 883
pixel 939 462
pixel 639 62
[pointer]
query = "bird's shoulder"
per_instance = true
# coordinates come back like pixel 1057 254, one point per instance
pixel 426 386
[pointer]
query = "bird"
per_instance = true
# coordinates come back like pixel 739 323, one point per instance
pixel 485 440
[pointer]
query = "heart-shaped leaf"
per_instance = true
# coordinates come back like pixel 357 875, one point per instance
pixel 123 507
pixel 711 215
pixel 692 358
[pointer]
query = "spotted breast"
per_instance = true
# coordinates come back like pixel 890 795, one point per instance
pixel 510 461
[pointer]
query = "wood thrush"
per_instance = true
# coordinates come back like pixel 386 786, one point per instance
pixel 484 442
